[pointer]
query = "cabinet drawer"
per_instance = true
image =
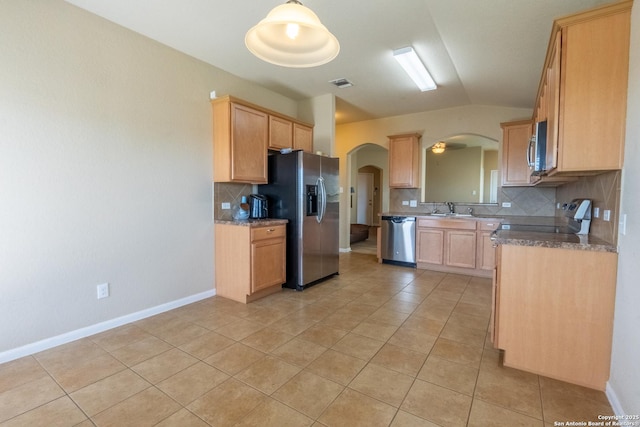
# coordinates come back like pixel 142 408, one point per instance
pixel 261 233
pixel 488 225
pixel 447 223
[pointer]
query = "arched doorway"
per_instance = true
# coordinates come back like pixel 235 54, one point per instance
pixel 368 195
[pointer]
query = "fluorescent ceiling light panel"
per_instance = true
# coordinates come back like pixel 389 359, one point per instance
pixel 409 60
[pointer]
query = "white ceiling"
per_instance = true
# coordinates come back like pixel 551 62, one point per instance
pixel 487 52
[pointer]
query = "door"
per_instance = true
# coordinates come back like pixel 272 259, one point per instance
pixel 364 213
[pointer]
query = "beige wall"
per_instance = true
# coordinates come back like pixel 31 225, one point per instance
pixel 105 171
pixel 624 384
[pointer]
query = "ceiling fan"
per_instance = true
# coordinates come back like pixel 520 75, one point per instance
pixel 440 146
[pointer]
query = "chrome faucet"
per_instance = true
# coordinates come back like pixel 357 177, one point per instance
pixel 452 208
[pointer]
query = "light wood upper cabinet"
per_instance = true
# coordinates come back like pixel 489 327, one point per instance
pixel 280 133
pixel 553 316
pixel 240 135
pixel 250 261
pixel 285 133
pixel 515 142
pixel 302 137
pixel 404 161
pixel 583 90
pixel 243 133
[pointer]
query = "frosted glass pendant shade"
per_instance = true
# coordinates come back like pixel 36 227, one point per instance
pixel 292 36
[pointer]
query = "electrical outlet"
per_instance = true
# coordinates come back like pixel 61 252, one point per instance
pixel 506 204
pixel 103 290
pixel 558 205
pixel 606 215
pixel 623 224
pixel 405 203
pixel 413 203
pixel 596 212
pixel 226 205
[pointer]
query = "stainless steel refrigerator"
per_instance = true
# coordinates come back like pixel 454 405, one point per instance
pixel 304 188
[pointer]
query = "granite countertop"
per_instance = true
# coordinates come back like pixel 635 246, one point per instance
pixel 427 214
pixel 252 222
pixel 547 239
pixel 552 240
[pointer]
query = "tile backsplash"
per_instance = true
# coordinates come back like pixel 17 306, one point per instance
pixel 230 193
pixel 604 192
pixel 529 201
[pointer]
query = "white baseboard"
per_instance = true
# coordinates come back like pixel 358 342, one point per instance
pixel 48 343
pixel 344 250
pixel 613 400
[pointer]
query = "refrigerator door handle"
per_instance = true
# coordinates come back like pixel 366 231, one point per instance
pixel 323 199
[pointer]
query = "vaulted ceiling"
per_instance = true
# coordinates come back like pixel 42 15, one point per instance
pixel 486 52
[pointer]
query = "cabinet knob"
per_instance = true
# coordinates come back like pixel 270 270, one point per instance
pixel 270 230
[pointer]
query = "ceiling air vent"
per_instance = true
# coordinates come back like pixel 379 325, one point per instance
pixel 341 83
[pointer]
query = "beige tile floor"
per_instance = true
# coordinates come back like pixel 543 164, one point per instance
pixel 377 346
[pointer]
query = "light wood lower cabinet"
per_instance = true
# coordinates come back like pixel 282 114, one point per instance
pixel 460 248
pixel 429 245
pixel 455 245
pixel 250 261
pixel 553 312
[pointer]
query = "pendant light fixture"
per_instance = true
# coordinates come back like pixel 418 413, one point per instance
pixel 292 36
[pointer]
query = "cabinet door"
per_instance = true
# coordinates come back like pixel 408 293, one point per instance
pixel 267 263
pixel 302 138
pixel 553 107
pixel 556 312
pixel 495 302
pixel 249 134
pixel 460 248
pixel 486 251
pixel 404 158
pixel 430 246
pixel 280 133
pixel 595 65
pixel 515 142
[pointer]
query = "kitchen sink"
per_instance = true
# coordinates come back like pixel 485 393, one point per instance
pixel 454 215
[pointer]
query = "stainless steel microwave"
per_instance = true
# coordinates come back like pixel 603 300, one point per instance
pixel 537 151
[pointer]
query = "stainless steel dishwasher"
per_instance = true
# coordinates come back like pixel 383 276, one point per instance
pixel 398 244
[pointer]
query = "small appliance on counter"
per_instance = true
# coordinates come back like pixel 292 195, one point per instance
pixel 579 214
pixel 242 210
pixel 258 206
